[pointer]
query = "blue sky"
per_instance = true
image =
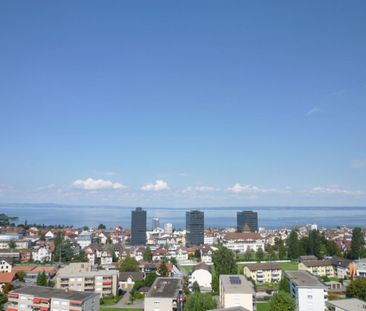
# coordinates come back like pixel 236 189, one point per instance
pixel 194 103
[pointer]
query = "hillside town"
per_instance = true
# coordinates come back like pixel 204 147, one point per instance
pixel 161 268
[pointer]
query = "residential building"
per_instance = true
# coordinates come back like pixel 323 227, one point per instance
pixel 6 264
pixel 236 291
pixel 84 239
pixel 351 304
pixel 19 244
pixel 47 298
pixel 81 277
pixel 138 227
pixel 155 223
pixel 127 280
pixel 164 295
pixel 32 272
pixel 247 220
pixel 260 273
pixel 195 225
pixel 41 254
pixel 6 278
pixel 361 267
pixel 206 254
pixel 201 274
pixel 240 242
pixel 310 294
pixel 342 266
pixel 168 228
pixel 318 267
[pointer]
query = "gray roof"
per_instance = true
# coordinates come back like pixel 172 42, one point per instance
pixel 49 292
pixel 236 284
pixel 304 279
pixel 351 304
pixel 135 276
pixel 165 287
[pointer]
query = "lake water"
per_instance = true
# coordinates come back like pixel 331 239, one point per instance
pixel 269 217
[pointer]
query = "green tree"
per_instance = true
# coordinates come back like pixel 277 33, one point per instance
pixel 357 289
pixel 101 227
pixel 163 269
pixel 129 265
pixel 200 302
pixel 42 279
pixel 284 285
pixel 315 243
pixel 332 248
pixel 224 263
pixel 248 254
pixel 12 244
pixel 259 254
pixel 148 254
pixel 197 254
pixel 21 276
pixel 357 244
pixel 150 278
pixel 196 287
pixel 282 301
pixel 293 245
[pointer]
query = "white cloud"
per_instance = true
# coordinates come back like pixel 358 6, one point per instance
pixel 205 189
pixel 157 186
pixel 238 188
pixel 312 111
pixel 335 190
pixel 97 184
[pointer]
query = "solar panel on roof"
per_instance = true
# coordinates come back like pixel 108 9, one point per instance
pixel 234 280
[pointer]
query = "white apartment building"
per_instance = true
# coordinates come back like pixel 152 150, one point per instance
pixel 240 242
pixel 310 294
pixel 46 298
pixel 81 277
pixel 236 291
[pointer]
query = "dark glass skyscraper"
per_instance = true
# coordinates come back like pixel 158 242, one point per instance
pixel 195 224
pixel 138 227
pixel 247 220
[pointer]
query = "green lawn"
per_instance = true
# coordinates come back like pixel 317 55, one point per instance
pixel 289 265
pixel 263 306
pixel 186 269
pixel 102 308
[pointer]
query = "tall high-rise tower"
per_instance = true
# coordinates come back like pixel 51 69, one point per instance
pixel 247 220
pixel 155 223
pixel 195 224
pixel 138 226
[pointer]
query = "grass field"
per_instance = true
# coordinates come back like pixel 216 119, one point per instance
pixel 263 306
pixel 186 269
pixel 289 265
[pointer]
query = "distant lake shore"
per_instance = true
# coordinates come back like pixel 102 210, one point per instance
pixel 269 217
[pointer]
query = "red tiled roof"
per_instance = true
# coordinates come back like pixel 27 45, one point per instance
pixel 7 277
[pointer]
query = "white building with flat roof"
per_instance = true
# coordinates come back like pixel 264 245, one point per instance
pixel 351 304
pixel 236 291
pixel 310 294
